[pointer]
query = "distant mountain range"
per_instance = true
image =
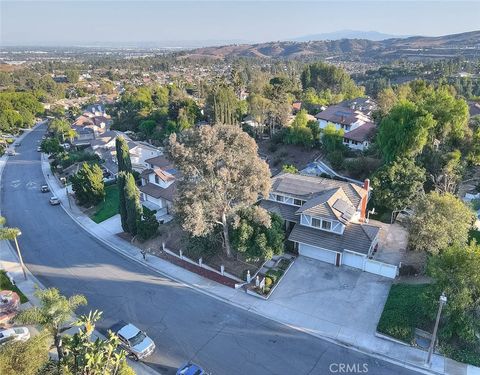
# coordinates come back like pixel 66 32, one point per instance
pixel 348 34
pixel 416 47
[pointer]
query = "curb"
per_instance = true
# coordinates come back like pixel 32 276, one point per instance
pixel 335 341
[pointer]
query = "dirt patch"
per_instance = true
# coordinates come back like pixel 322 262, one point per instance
pixel 174 238
pixel 236 267
pixel 278 155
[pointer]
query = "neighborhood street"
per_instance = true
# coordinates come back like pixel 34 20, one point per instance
pixel 185 324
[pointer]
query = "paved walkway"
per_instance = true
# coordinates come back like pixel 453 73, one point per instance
pixel 289 315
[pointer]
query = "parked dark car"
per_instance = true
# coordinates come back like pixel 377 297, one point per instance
pixel 190 369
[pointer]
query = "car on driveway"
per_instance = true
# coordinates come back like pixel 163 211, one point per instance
pixel 190 369
pixel 10 152
pixel 136 342
pixel 39 149
pixel 44 189
pixel 14 334
pixel 54 201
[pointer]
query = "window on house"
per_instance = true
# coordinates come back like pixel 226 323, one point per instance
pixel 316 223
pixel 157 180
pixel 327 225
pixel 279 198
pixel 298 202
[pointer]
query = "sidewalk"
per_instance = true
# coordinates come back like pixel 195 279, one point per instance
pixel 367 343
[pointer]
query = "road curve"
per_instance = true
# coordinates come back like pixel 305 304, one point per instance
pixel 186 325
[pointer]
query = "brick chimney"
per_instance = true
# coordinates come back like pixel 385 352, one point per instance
pixel 363 209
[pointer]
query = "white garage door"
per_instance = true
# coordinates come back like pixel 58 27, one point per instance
pixel 317 253
pixel 353 260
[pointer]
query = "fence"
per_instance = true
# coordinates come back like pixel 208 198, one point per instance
pixel 380 268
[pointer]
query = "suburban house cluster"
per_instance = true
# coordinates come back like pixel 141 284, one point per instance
pixel 158 175
pixel 325 219
pixel 354 117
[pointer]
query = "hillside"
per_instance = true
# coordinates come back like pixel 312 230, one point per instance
pixel 465 44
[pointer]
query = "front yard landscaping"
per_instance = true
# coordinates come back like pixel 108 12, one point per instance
pixel 403 312
pixel 108 207
pixel 406 309
pixel 269 275
pixel 5 284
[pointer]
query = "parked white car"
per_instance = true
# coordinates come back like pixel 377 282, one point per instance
pixel 14 334
pixel 54 201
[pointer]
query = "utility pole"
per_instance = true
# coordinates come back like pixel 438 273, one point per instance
pixel 443 301
pixel 20 255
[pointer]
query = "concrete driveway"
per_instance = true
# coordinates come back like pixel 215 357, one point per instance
pixel 339 302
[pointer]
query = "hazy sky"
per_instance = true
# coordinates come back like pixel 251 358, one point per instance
pixel 84 22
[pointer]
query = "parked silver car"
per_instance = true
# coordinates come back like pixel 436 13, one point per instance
pixel 54 201
pixel 136 342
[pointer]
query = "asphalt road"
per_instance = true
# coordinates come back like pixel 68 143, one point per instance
pixel 185 324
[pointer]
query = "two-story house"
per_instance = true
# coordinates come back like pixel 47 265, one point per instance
pixel 325 219
pixel 104 146
pixel 158 187
pixel 354 117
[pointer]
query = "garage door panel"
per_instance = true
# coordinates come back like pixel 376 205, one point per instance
pixel 317 253
pixel 353 260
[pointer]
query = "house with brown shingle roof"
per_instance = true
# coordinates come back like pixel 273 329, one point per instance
pixel 360 138
pixel 325 219
pixel 354 117
pixel 158 187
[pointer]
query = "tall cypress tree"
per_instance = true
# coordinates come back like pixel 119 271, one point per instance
pixel 122 209
pixel 124 168
pixel 132 203
pixel 123 155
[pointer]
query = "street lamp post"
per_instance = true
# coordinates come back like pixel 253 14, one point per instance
pixel 20 255
pixel 442 302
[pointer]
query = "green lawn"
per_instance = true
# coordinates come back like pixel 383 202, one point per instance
pixel 109 207
pixel 6 284
pixel 403 312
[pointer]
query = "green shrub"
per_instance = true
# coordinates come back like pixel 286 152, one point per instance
pixel 336 159
pixel 148 225
pixel 275 275
pixel 289 168
pixel 272 276
pixel 283 265
pixel 206 247
pixel 268 282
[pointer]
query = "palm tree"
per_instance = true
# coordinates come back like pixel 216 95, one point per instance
pixel 83 355
pixel 12 234
pixel 54 312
